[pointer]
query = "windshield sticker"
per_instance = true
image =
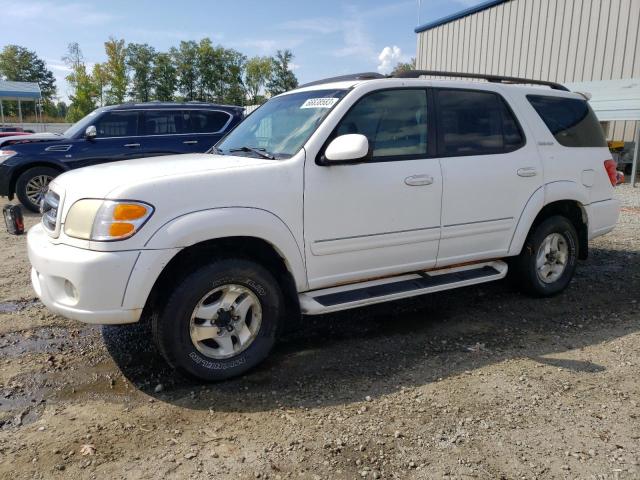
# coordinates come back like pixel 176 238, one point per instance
pixel 326 102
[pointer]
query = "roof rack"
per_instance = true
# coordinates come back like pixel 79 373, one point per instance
pixel 343 78
pixel 489 78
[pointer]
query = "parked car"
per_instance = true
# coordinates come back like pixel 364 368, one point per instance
pixel 12 134
pixel 119 132
pixel 332 196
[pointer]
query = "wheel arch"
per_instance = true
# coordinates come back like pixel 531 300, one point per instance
pixel 558 198
pixel 23 168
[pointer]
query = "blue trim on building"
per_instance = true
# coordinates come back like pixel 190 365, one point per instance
pixel 458 15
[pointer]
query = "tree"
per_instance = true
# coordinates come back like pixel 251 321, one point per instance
pixel 186 63
pixel 19 64
pixel 140 57
pixel 404 67
pixel 164 78
pixel 83 91
pixel 116 70
pixel 282 78
pixel 257 74
pixel 99 77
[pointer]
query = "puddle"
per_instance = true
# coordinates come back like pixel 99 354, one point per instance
pixel 12 307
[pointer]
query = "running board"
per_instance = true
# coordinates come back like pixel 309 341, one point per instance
pixel 332 299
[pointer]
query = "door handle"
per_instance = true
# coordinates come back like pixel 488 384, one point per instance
pixel 131 145
pixel 190 142
pixel 527 172
pixel 418 180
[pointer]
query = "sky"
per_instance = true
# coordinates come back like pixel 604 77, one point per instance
pixel 327 37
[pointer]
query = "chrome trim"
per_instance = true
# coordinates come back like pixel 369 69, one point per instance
pixel 51 209
pixel 58 148
pixel 376 234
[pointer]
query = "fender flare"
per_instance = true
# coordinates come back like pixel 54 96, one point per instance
pixel 546 194
pixel 200 226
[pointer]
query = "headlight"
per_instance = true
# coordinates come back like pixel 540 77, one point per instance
pixel 6 154
pixel 106 220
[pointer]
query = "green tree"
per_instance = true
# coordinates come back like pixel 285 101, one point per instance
pixel 83 90
pixel 186 64
pixel 164 78
pixel 282 78
pixel 99 77
pixel 140 57
pixel 19 64
pixel 220 72
pixel 116 70
pixel 404 67
pixel 257 74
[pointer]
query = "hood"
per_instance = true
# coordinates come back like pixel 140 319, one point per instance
pixel 99 181
pixel 34 137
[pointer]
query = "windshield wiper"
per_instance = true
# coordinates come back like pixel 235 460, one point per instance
pixel 258 151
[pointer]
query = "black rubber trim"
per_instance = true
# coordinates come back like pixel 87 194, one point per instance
pixel 403 286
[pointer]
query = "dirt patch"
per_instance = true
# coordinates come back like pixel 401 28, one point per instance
pixel 481 382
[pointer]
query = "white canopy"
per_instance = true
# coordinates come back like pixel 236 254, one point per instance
pixel 612 99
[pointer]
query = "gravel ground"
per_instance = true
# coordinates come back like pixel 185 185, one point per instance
pixel 475 383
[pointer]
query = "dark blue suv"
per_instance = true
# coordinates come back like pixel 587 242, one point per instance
pixel 118 132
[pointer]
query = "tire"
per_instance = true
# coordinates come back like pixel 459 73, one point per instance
pixel 30 179
pixel 558 266
pixel 177 329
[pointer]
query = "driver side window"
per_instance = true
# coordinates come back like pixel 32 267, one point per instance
pixel 394 122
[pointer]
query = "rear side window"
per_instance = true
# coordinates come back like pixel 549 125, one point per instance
pixel 394 122
pixel 570 120
pixel 117 124
pixel 165 122
pixel 205 121
pixel 475 123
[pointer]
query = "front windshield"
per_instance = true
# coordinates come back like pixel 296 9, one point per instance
pixel 81 125
pixel 282 125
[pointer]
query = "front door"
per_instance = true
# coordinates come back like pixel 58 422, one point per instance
pixel 489 173
pixel 380 217
pixel 118 138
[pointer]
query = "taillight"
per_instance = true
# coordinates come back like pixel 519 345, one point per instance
pixel 610 167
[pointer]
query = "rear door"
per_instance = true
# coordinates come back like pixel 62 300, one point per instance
pixel 118 138
pixel 489 173
pixel 165 132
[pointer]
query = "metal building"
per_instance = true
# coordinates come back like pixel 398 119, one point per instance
pixel 559 40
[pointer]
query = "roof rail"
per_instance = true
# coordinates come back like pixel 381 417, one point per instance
pixel 343 78
pixel 479 76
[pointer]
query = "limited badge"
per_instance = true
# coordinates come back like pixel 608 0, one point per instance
pixel 326 102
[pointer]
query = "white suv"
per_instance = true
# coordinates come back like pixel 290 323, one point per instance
pixel 342 193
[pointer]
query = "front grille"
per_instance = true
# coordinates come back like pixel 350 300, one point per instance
pixel 49 208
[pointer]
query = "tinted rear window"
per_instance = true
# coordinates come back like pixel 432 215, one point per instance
pixel 208 121
pixel 570 120
pixel 475 123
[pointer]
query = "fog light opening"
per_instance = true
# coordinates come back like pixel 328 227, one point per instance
pixel 70 290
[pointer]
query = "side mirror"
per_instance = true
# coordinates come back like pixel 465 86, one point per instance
pixel 90 133
pixel 349 148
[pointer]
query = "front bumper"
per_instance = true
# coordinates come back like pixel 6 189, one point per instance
pixel 83 285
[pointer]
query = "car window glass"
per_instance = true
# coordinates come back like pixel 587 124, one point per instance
pixel 570 120
pixel 475 123
pixel 165 122
pixel 394 122
pixel 117 124
pixel 204 121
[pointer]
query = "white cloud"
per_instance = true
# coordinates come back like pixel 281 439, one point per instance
pixel 389 57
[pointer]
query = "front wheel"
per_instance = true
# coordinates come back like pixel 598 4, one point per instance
pixel 32 185
pixel 548 259
pixel 221 320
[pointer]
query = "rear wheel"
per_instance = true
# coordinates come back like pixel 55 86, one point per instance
pixel 548 259
pixel 221 320
pixel 33 184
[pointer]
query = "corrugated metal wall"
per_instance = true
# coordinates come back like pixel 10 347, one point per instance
pixel 557 40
